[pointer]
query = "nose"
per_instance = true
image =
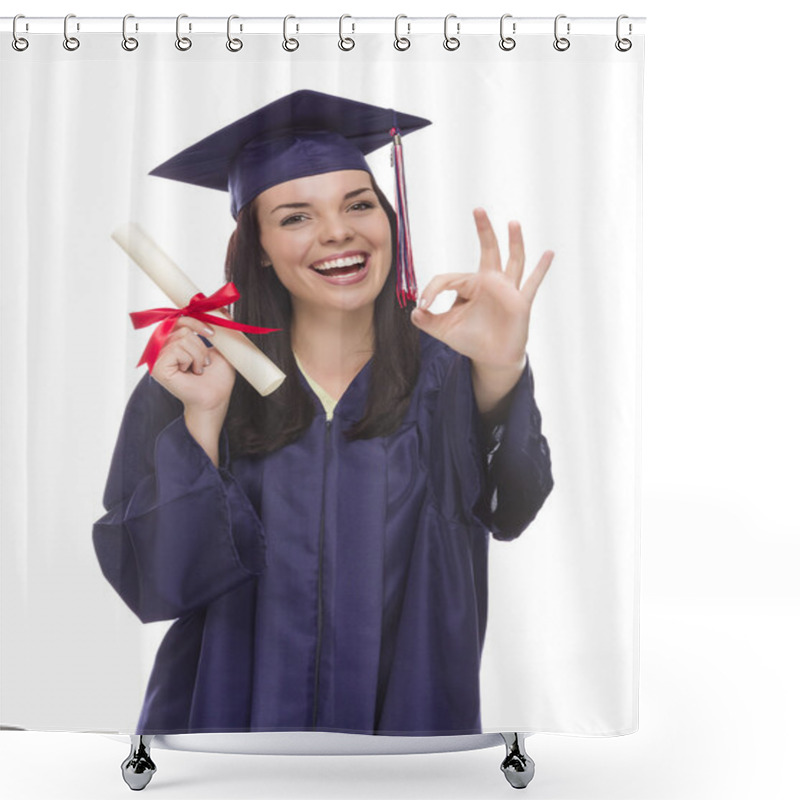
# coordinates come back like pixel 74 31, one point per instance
pixel 335 228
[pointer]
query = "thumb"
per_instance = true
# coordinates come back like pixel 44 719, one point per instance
pixel 420 318
pixel 428 322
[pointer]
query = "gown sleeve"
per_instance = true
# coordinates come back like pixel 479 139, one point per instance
pixel 178 531
pixel 494 470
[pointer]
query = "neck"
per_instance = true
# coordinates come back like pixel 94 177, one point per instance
pixel 332 341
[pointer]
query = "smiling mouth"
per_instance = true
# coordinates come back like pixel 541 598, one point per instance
pixel 339 267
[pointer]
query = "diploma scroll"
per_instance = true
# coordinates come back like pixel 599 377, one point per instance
pixel 242 354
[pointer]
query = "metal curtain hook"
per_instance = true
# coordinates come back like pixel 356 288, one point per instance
pixel 234 45
pixel 70 42
pixel 345 42
pixel 129 43
pixel 182 42
pixel 289 44
pixel 401 42
pixel 561 43
pixel 451 42
pixel 623 45
pixel 18 42
pixel 506 42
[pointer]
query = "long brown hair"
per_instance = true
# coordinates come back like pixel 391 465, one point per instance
pixel 258 425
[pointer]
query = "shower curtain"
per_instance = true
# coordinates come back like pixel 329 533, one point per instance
pixel 546 135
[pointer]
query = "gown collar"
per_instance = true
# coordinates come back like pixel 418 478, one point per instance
pixel 351 404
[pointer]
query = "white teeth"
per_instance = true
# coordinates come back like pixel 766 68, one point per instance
pixel 340 262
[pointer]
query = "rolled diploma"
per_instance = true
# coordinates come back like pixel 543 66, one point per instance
pixel 242 354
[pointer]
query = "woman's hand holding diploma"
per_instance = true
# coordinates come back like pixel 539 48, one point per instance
pixel 488 322
pixel 200 377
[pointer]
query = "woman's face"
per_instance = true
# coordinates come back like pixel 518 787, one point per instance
pixel 328 238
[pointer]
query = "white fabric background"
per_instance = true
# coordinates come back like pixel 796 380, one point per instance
pixel 551 139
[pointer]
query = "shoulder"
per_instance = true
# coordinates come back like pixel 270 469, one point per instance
pixel 149 390
pixel 435 352
pixel 150 403
pixel 437 360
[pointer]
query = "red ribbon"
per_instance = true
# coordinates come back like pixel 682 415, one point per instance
pixel 197 308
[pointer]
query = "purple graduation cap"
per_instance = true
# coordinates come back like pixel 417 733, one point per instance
pixel 300 134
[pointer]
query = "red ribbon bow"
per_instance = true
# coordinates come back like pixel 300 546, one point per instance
pixel 197 308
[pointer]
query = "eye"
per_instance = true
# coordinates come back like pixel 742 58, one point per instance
pixel 293 219
pixel 362 205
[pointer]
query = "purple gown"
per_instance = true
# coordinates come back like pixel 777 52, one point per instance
pixel 332 585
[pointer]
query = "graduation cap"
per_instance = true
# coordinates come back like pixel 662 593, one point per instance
pixel 301 134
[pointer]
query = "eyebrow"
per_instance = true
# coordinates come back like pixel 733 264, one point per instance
pixel 348 196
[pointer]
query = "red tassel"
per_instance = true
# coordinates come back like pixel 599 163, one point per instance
pixel 406 279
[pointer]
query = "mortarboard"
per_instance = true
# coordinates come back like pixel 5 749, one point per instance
pixel 301 134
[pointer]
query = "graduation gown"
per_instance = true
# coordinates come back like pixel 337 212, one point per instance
pixel 332 585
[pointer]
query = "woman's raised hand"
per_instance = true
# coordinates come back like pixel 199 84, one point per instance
pixel 199 376
pixel 488 322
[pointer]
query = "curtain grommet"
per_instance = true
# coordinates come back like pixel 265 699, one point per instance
pixel 183 43
pixel 623 44
pixel 70 43
pixel 129 43
pixel 289 44
pixel 507 42
pixel 233 44
pixel 451 43
pixel 401 43
pixel 561 43
pixel 19 43
pixel 346 43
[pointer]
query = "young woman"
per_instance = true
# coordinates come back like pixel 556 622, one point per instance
pixel 323 550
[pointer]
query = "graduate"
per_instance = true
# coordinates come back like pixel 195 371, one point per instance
pixel 323 549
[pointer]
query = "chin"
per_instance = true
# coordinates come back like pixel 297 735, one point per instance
pixel 362 296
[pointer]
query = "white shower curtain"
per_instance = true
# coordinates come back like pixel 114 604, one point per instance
pixel 549 138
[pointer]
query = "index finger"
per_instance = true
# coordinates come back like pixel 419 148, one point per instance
pixel 194 324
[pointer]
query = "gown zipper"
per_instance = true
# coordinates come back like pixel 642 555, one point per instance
pixel 320 607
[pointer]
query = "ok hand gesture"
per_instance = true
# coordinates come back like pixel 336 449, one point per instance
pixel 488 322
